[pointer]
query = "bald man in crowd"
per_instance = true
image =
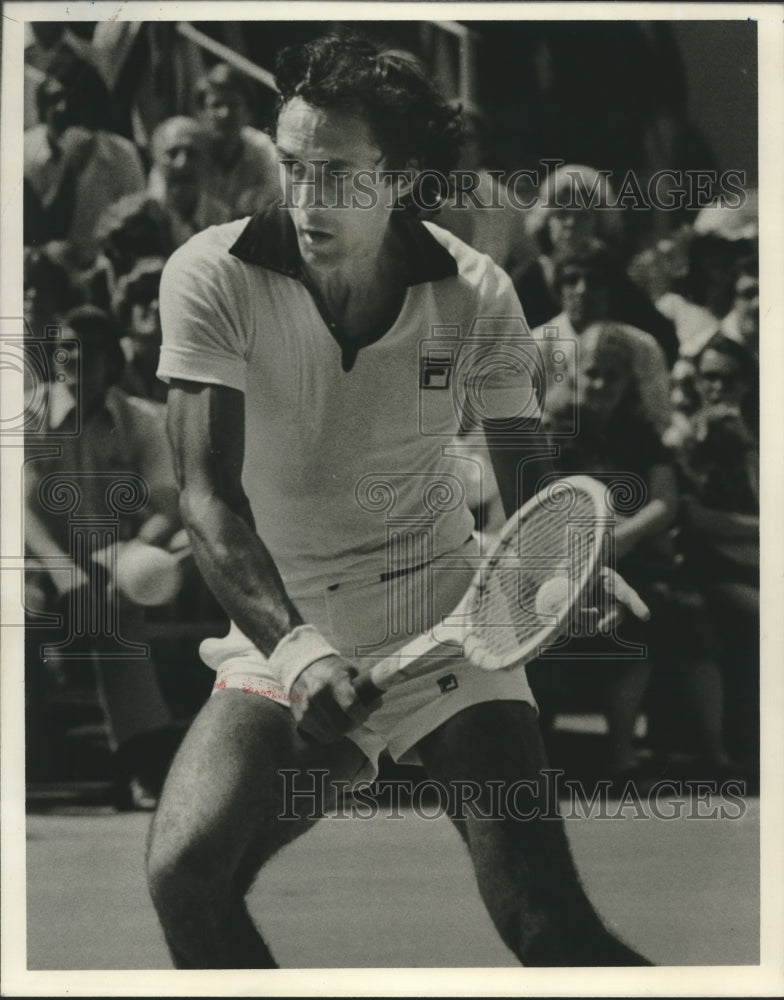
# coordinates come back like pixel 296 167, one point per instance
pixel 176 188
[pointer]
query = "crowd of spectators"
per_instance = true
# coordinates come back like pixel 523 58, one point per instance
pixel 118 174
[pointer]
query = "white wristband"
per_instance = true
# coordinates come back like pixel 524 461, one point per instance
pixel 296 651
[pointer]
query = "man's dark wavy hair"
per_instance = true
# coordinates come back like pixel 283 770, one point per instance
pixel 390 90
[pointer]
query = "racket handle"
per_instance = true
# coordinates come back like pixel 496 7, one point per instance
pixel 367 692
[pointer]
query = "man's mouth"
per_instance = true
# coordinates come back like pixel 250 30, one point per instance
pixel 316 236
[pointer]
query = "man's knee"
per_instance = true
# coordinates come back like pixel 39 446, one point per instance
pixel 178 867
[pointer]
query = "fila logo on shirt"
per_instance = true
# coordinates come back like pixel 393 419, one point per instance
pixel 435 369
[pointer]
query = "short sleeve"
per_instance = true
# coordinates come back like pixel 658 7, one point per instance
pixel 499 369
pixel 203 339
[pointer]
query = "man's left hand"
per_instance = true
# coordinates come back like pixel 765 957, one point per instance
pixel 620 599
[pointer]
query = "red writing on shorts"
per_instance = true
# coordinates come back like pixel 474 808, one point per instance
pixel 265 690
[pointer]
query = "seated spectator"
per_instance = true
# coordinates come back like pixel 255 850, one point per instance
pixel 720 246
pixel 73 170
pixel 45 42
pixel 728 375
pixel 116 434
pixel 151 71
pixel 616 440
pixel 566 217
pixel 720 457
pixel 684 396
pixel 137 311
pixel 176 187
pixel 140 230
pixel 496 231
pixel 582 278
pixel 242 165
pixel 50 290
pixel 49 293
pixel 662 272
pixel 719 464
pixel 685 401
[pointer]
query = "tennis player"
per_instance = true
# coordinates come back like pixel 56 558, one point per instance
pixel 292 344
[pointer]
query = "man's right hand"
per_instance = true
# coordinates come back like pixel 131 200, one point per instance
pixel 323 700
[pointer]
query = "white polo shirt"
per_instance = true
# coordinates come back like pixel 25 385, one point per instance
pixel 343 448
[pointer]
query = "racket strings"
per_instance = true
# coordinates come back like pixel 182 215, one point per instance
pixel 543 545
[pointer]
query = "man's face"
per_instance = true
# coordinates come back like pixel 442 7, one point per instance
pixel 569 226
pixel 145 321
pixel 178 155
pixel 720 380
pixel 583 295
pixel 223 114
pixel 330 236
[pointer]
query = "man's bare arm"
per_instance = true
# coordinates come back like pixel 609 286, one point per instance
pixel 206 426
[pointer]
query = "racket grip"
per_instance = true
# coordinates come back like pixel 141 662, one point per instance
pixel 367 692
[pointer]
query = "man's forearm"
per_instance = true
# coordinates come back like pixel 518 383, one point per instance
pixel 240 571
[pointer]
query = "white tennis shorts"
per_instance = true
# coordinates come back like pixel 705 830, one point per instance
pixel 366 620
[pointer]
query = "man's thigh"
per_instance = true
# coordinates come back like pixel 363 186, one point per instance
pixel 227 798
pixel 497 740
pixel 491 760
pixel 492 764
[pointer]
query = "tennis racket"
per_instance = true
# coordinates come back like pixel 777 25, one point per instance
pixel 543 569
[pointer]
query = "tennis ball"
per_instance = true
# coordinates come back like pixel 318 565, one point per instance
pixel 552 596
pixel 148 575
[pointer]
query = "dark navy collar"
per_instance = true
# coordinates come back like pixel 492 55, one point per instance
pixel 269 240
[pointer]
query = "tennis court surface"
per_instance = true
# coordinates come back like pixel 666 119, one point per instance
pixel 389 892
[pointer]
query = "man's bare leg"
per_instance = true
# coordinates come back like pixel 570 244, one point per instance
pixel 217 823
pixel 524 867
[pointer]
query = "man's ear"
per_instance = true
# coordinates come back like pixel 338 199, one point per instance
pixel 403 179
